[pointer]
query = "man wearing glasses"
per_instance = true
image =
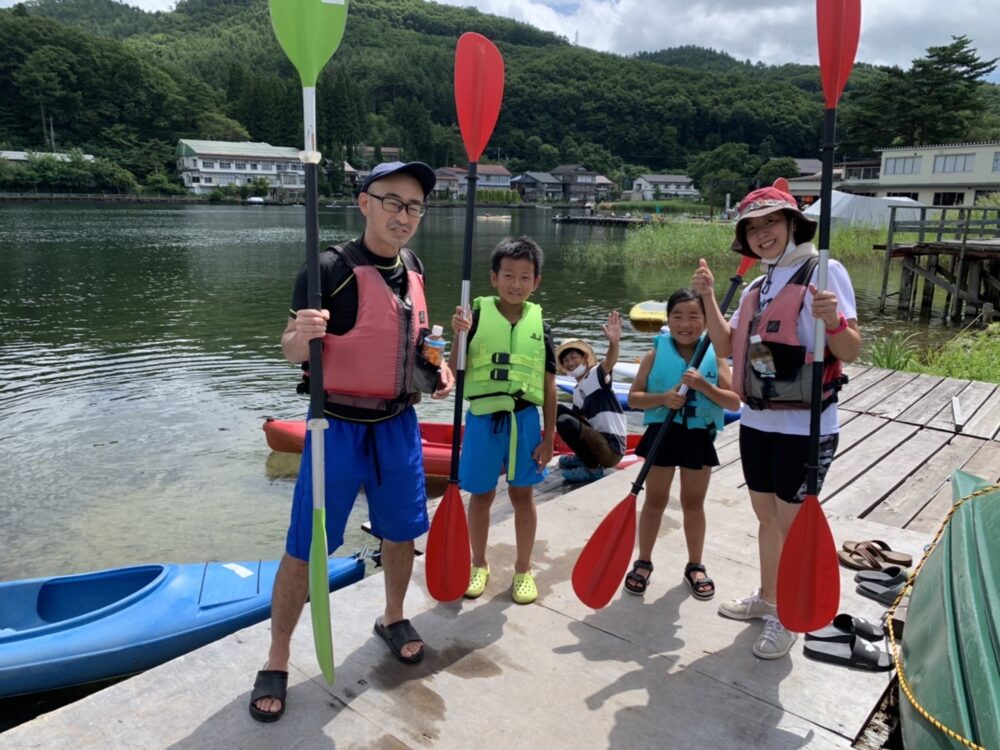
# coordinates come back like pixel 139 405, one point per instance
pixel 374 315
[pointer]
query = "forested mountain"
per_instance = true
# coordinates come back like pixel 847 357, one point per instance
pixel 113 78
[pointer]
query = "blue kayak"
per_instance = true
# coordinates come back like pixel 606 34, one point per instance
pixel 566 384
pixel 71 630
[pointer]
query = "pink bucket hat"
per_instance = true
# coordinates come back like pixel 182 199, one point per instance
pixel 764 201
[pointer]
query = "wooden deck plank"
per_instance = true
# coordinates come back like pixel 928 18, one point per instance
pixel 867 491
pixel 858 459
pixel 886 387
pixel 985 422
pixel 857 386
pixel 905 397
pixel 931 405
pixel 985 462
pixel 971 398
pixel 907 500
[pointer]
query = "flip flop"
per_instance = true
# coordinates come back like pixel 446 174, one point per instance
pixel 882 594
pixel 270 683
pixel 855 653
pixel 860 559
pixel 889 576
pixel 398 635
pixel 881 550
pixel 844 627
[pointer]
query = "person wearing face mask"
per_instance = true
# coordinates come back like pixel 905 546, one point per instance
pixel 771 337
pixel 594 427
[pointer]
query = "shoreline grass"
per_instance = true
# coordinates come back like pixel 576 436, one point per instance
pixel 673 242
pixel 971 355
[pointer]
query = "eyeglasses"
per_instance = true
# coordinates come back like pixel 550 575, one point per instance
pixel 394 205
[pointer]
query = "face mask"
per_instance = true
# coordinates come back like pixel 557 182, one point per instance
pixel 578 371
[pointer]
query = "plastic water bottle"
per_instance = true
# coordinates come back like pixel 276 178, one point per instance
pixel 433 350
pixel 761 359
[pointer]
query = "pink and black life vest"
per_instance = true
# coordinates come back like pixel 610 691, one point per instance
pixel 371 366
pixel 777 326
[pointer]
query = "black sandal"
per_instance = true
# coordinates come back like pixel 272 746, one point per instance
pixel 270 683
pixel 703 589
pixel 636 583
pixel 397 635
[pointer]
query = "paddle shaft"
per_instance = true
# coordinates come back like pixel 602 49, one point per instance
pixel 819 334
pixel 699 355
pixel 470 225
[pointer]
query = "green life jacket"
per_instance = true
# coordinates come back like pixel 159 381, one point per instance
pixel 506 360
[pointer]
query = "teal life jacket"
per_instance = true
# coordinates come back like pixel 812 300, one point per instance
pixel 699 411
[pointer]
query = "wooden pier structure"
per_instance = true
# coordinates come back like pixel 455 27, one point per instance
pixel 601 221
pixel 659 671
pixel 957 249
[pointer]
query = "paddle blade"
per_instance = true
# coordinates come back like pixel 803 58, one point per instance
pixel 808 574
pixel 309 31
pixel 605 558
pixel 478 90
pixel 838 26
pixel 319 594
pixel 449 557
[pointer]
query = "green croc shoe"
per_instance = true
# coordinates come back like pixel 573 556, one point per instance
pixel 523 589
pixel 477 582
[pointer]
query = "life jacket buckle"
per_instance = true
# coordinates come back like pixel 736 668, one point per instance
pixel 500 358
pixel 499 374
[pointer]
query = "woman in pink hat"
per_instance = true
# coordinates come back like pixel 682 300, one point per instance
pixel 771 337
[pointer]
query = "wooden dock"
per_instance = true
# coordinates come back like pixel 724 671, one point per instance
pixel 600 221
pixel 660 671
pixel 957 250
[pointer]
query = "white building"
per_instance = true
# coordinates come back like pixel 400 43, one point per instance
pixel 648 187
pixel 952 174
pixel 204 166
pixel 22 156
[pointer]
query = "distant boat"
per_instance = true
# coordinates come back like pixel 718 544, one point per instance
pixel 255 201
pixel 63 631
pixel 494 217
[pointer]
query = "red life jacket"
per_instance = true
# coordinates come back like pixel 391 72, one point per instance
pixel 371 366
pixel 777 326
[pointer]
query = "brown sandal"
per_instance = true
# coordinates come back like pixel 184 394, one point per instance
pixel 860 558
pixel 881 550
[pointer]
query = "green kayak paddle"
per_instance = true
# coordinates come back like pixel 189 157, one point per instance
pixel 309 32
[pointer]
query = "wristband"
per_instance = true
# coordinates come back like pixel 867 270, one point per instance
pixel 840 328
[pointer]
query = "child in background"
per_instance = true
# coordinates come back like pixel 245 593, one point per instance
pixel 594 427
pixel 689 442
pixel 510 373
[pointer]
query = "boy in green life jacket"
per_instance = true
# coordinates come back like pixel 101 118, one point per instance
pixel 510 372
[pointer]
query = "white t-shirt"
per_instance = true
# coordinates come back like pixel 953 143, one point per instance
pixel 796 421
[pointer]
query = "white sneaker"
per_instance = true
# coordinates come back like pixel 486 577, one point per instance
pixel 750 608
pixel 775 641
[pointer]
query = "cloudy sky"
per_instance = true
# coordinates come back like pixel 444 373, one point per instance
pixel 774 31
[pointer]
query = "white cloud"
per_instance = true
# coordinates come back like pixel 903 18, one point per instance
pixel 773 31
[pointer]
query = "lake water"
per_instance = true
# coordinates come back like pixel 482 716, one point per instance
pixel 139 356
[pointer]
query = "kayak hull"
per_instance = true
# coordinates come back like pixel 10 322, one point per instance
pixel 64 631
pixel 289 436
pixel 951 643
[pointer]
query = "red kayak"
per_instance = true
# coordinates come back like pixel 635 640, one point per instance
pixel 289 436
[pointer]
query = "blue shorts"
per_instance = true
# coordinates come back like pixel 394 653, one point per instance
pixel 386 459
pixel 485 447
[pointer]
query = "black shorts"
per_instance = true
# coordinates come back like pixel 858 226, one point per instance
pixel 775 462
pixel 683 446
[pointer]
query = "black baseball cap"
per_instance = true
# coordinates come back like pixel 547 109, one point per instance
pixel 416 169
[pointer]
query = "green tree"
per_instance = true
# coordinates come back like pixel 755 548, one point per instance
pixel 47 78
pixel 775 168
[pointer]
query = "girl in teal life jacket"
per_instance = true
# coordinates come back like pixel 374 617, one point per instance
pixel 689 444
